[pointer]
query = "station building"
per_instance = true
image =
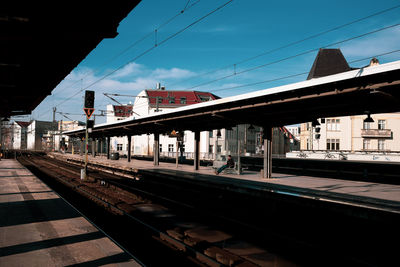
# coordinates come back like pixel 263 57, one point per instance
pixel 212 143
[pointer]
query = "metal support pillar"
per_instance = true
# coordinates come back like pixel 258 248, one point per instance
pixel 196 161
pixel 108 147
pixel 239 165
pixel 129 147
pixel 177 153
pixel 80 146
pixel 156 149
pixel 267 152
pixel 94 148
pixel 101 146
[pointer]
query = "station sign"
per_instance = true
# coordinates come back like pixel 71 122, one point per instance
pixel 88 112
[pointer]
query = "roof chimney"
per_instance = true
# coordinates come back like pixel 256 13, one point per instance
pixel 158 86
pixel 374 62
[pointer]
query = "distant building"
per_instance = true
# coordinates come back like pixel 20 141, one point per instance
pixel 35 132
pixel 351 133
pixel 150 102
pixel 20 134
pixel 294 130
pixel 348 137
pixel 212 143
pixel 54 140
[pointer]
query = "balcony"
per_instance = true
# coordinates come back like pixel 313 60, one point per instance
pixel 376 133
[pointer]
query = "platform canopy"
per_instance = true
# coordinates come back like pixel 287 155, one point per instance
pixel 41 42
pixel 374 89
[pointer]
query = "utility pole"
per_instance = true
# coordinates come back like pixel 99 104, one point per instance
pixel 54 114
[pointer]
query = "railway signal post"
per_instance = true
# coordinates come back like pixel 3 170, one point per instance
pixel 88 109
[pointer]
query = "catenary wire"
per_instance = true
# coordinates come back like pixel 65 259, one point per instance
pixel 298 74
pixel 290 44
pixel 291 57
pixel 147 50
pixel 135 43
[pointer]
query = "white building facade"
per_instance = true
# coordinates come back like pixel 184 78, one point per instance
pixel 359 140
pixel 212 143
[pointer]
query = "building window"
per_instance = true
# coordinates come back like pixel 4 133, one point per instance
pixel 119 147
pixel 205 98
pixel 210 149
pixel 332 144
pixel 367 125
pixel 160 147
pixel 219 148
pixel 159 99
pixel 333 124
pixel 172 100
pixel 381 145
pixel 381 125
pixel 171 148
pixel 210 133
pixel 183 100
pixel 366 144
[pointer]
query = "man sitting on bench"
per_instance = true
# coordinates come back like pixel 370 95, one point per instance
pixel 230 163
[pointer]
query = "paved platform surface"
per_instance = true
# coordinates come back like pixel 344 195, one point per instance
pixel 349 191
pixel 38 228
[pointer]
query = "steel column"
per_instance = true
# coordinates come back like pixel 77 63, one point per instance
pixel 108 147
pixel 196 161
pixel 129 147
pixel 156 149
pixel 267 152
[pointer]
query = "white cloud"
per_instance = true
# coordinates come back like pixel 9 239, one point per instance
pixel 128 70
pixel 174 73
pixel 376 44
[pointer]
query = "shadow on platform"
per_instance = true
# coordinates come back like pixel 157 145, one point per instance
pixel 30 211
pixel 43 244
pixel 117 258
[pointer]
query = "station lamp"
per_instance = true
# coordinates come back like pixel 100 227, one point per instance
pixel 368 118
pixel 315 123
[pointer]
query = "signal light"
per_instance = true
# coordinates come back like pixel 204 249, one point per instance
pixel 89 99
pixel 90 124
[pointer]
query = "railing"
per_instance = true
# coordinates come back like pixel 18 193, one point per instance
pixel 188 155
pixel 385 133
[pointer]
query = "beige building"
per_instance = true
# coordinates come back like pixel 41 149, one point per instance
pixel 353 135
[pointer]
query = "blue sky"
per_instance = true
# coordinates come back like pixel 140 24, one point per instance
pixel 240 30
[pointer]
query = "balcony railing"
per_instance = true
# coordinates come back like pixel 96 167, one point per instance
pixel 376 133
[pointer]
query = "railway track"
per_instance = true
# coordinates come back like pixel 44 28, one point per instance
pixel 172 223
pixel 175 213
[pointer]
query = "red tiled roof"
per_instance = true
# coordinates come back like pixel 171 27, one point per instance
pixel 23 124
pixel 178 98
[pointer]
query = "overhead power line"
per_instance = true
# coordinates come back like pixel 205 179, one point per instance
pixel 236 73
pixel 296 75
pixel 234 65
pixel 149 49
pixel 144 37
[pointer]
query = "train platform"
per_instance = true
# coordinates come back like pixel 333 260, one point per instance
pixel 384 197
pixel 38 228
